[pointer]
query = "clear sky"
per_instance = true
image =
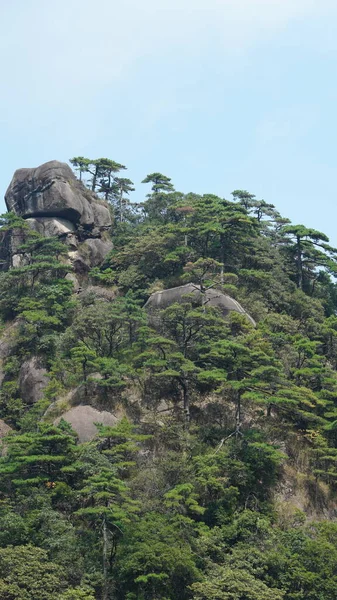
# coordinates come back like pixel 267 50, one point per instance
pixel 216 94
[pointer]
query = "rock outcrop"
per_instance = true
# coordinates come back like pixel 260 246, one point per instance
pixel 212 297
pixel 4 429
pixel 32 381
pixel 82 418
pixel 55 203
pixel 52 190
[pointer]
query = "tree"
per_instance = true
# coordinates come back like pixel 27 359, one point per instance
pixel 170 364
pixel 84 358
pixel 26 572
pixel 101 171
pixel 78 593
pixel 246 199
pixel 160 183
pixel 205 273
pixel 260 209
pixel 107 504
pixel 107 169
pixel 121 188
pixel 81 164
pixel 156 558
pixel 309 250
pixel 219 229
pixel 225 583
pixel 36 459
pixel 178 359
pixel 160 203
pixel 36 290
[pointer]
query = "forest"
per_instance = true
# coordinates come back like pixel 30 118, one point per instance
pixel 218 479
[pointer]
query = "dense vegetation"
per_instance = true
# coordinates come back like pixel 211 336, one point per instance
pixel 190 495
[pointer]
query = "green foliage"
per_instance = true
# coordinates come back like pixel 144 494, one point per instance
pixel 177 501
pixel 225 583
pixel 25 573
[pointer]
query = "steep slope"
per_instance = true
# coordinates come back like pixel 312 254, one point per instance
pixel 170 427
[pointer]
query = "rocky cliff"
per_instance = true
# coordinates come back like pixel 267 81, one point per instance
pixel 54 203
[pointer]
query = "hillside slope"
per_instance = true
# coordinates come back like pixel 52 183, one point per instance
pixel 169 409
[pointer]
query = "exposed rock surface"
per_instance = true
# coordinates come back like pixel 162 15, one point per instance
pixel 52 190
pixel 8 340
pixel 55 203
pixel 82 418
pixel 164 298
pixel 90 253
pixel 49 226
pixel 32 380
pixel 96 292
pixel 4 428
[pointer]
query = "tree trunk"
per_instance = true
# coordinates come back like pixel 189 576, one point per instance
pixel 105 592
pixel 186 401
pixel 299 265
pixel 238 414
pixel 121 207
pixel 94 179
pixel 222 257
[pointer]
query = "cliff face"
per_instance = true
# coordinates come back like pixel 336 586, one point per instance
pixel 55 203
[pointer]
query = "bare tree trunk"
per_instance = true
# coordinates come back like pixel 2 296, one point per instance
pixel 121 207
pixel 222 258
pixel 105 592
pixel 299 265
pixel 94 179
pixel 186 402
pixel 238 414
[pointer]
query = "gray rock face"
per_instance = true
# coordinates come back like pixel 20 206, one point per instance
pixel 55 203
pixel 52 190
pixel 95 250
pixel 163 299
pixel 9 245
pixel 48 226
pixel 82 418
pixel 32 381
pixel 4 428
pixel 97 292
pixel 8 340
pixel 102 217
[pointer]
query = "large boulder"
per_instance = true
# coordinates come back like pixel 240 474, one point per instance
pixel 95 250
pixel 32 380
pixel 212 297
pixel 82 418
pixel 55 203
pixel 52 190
pixel 102 217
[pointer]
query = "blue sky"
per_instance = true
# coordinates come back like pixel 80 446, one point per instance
pixel 216 94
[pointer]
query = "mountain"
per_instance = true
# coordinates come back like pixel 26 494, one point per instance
pixel 168 395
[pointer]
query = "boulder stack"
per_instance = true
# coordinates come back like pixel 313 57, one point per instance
pixel 55 203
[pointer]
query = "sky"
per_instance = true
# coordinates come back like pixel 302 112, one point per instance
pixel 216 94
